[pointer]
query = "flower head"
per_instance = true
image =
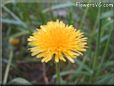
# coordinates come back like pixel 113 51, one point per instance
pixel 57 41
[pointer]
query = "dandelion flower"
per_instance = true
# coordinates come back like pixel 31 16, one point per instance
pixel 57 41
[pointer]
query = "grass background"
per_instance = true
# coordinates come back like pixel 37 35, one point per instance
pixel 19 20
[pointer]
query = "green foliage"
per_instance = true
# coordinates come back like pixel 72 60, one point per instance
pixel 20 81
pixel 94 67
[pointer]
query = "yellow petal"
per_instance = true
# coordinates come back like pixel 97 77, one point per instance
pixel 40 55
pixel 70 59
pixel 56 58
pixel 34 53
pixel 62 58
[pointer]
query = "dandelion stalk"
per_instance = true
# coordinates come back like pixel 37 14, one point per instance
pixel 57 73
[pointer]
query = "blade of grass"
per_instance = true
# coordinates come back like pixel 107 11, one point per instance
pixel 84 66
pixel 4 2
pixel 58 7
pixel 105 79
pixel 79 69
pixel 105 26
pixel 83 17
pixel 8 67
pixel 106 45
pixel 20 80
pixel 107 14
pixel 20 34
pixel 97 50
pixel 70 17
pixel 108 42
pixel 14 16
pixel 106 49
pixel 98 40
pixel 63 73
pixel 10 21
pixel 107 64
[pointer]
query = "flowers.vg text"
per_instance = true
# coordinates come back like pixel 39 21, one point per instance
pixel 98 4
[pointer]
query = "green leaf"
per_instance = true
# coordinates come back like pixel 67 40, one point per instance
pixel 84 66
pixel 20 80
pixel 15 16
pixel 108 64
pixel 105 79
pixel 10 21
pixel 104 38
pixel 65 5
pixel 20 34
pixel 64 73
pixel 107 14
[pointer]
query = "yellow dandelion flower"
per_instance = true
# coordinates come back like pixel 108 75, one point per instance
pixel 57 40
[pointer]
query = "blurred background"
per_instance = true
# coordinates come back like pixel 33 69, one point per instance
pixel 20 19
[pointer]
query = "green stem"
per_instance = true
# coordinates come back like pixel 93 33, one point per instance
pixel 98 39
pixel 95 59
pixel 8 67
pixel 57 73
pixel 105 50
pixel 84 16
